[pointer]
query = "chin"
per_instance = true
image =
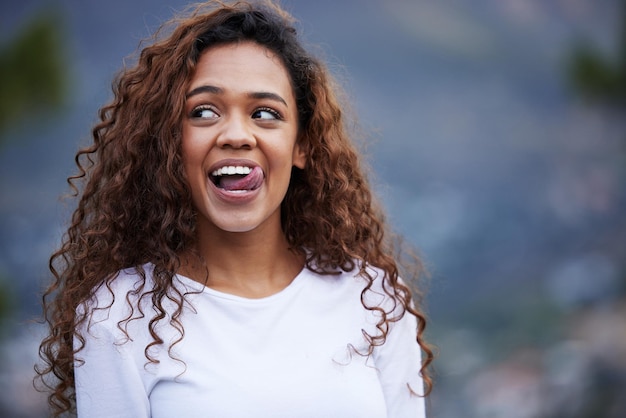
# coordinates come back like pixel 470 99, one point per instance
pixel 237 226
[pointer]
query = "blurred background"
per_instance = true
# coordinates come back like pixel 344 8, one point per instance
pixel 498 147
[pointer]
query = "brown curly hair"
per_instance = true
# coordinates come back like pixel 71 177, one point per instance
pixel 135 206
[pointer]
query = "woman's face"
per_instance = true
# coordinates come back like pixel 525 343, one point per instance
pixel 239 138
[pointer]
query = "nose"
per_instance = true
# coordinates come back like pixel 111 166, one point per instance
pixel 237 133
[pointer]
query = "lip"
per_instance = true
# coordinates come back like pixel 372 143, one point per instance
pixel 232 197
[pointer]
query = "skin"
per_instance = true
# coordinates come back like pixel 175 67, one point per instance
pixel 241 111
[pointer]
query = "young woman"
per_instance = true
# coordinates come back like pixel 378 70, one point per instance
pixel 226 258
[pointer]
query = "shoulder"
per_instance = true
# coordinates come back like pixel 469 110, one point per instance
pixel 368 285
pixel 355 279
pixel 115 298
pixel 375 286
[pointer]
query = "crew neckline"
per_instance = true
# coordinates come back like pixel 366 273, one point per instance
pixel 205 289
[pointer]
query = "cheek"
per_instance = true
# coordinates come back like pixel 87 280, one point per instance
pixel 187 157
pixel 191 149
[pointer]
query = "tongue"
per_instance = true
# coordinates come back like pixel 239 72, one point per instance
pixel 251 181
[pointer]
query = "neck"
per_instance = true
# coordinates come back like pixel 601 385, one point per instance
pixel 251 264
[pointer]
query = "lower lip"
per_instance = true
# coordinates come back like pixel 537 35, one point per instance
pixel 234 197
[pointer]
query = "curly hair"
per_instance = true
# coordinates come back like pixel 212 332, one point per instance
pixel 135 205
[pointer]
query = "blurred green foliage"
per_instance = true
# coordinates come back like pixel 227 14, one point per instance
pixel 6 303
pixel 598 77
pixel 33 81
pixel 32 72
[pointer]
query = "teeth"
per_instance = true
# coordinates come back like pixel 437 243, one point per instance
pixel 230 170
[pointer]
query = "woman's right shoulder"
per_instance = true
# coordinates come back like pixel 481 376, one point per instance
pixel 118 296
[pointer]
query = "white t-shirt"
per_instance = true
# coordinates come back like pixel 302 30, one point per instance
pixel 289 355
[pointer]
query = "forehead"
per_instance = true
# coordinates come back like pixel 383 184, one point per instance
pixel 243 66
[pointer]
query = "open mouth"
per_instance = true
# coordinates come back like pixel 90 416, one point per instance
pixel 237 178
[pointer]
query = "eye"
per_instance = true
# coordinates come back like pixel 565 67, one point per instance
pixel 203 112
pixel 265 113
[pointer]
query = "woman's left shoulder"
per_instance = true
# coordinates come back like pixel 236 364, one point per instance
pixel 373 283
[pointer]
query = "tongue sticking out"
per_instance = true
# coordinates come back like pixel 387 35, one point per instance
pixel 251 181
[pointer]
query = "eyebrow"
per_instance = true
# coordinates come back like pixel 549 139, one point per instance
pixel 267 95
pixel 204 89
pixel 252 95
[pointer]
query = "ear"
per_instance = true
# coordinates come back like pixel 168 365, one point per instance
pixel 299 156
